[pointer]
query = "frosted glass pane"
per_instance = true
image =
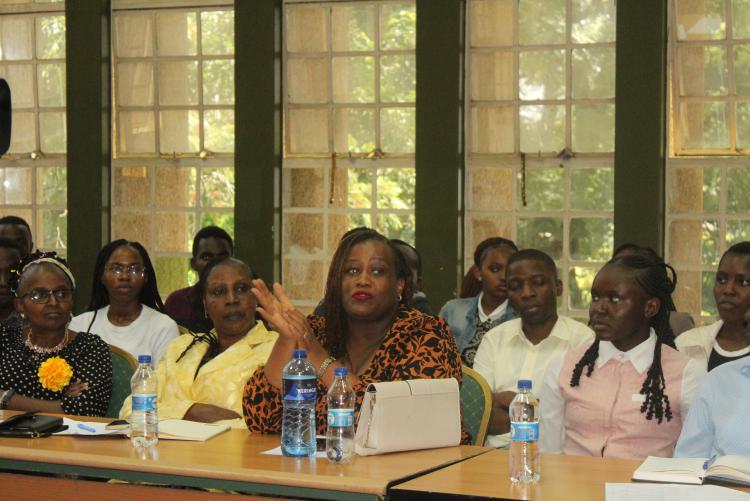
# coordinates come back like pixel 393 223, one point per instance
pixel 354 130
pixel 20 78
pixel 15 37
pixel 178 83
pixel 135 84
pixel 178 131
pixel 353 28
pixel 131 186
pixel 542 128
pixel 176 231
pixel 593 21
pixel 398 26
pixel 398 78
pixel 700 20
pixel 541 75
pixel 693 189
pixel 491 23
pixel 743 125
pixel 52 134
pixel 22 133
pixel 594 73
pixel 303 187
pixel 218 82
pixel 703 71
pixel 593 127
pixel 741 18
pixel 353 79
pixel 176 186
pixel 490 189
pixel 492 129
pixel 742 69
pixel 217 32
pixel 51 82
pixel 136 132
pixel 218 130
pixel 15 186
pixel 308 130
pixel 307 80
pixel 134 35
pixel 133 226
pixel 303 234
pixel 176 34
pixel 704 125
pixel 305 29
pixel 172 273
pixel 397 130
pixel 492 76
pixel 50 37
pixel 541 22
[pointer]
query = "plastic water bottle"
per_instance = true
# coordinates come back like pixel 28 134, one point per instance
pixel 299 382
pixel 340 432
pixel 144 421
pixel 524 435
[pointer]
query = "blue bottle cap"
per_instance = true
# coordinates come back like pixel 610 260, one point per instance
pixel 300 354
pixel 340 371
pixel 524 384
pixel 144 359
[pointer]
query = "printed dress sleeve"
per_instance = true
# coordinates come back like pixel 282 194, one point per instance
pixel 91 364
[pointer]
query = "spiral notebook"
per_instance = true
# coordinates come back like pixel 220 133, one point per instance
pixel 732 469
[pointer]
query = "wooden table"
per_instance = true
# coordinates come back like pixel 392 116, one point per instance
pixel 230 461
pixel 486 477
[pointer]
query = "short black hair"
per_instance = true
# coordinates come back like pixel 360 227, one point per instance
pixel 490 243
pixel 211 232
pixel 7 243
pixel 740 249
pixel 533 255
pixel 419 256
pixel 15 220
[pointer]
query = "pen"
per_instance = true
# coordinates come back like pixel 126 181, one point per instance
pixel 87 428
pixel 708 462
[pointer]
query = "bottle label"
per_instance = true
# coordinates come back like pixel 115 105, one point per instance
pixel 300 389
pixel 143 403
pixel 524 432
pixel 340 418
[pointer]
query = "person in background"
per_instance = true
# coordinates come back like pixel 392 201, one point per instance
pixel 185 306
pixel 726 339
pixel 625 394
pixel 125 308
pixel 369 328
pixel 414 261
pixel 470 285
pixel 45 366
pixel 17 229
pixel 10 255
pixel 716 424
pixel 471 318
pixel 522 348
pixel 202 376
pixel 679 321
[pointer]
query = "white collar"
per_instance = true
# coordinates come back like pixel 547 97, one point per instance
pixel 641 356
pixel 497 313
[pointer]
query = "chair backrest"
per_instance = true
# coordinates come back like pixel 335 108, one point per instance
pixel 476 402
pixel 123 367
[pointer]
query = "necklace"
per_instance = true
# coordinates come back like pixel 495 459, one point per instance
pixel 43 350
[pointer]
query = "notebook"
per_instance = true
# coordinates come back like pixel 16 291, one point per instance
pixel 179 429
pixel 733 469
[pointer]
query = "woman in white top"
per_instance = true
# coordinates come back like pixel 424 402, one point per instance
pixel 125 308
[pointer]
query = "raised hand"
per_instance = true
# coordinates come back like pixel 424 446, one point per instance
pixel 276 309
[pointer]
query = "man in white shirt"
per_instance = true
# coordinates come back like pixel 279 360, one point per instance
pixel 522 348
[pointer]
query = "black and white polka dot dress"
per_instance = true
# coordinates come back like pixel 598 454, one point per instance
pixel 87 355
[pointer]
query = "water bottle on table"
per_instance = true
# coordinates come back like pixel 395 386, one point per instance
pixel 524 435
pixel 299 384
pixel 340 432
pixel 144 421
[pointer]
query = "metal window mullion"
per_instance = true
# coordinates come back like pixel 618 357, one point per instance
pixel 199 60
pixel 377 55
pixel 732 91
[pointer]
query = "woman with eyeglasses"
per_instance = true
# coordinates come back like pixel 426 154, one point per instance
pixel 125 308
pixel 202 376
pixel 45 366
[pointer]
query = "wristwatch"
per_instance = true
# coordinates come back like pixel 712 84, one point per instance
pixel 6 398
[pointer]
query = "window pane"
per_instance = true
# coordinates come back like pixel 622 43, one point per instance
pixel 491 189
pixel 20 79
pixel 175 186
pixel 175 231
pixel 303 234
pixel 131 186
pixel 52 136
pixel 359 188
pixel 308 130
pixel 702 20
pixel 303 188
pixel 218 82
pixel 398 26
pixel 743 124
pixel 541 22
pixel 353 79
pixel 396 188
pixel 136 132
pixel 591 238
pixel 543 233
pixel 51 84
pixel 16 37
pixel 178 131
pixel 397 130
pixel 303 279
pixel 171 273
pixel 176 33
pixel 738 186
pixel 741 18
pixel 305 29
pixel 22 133
pixel 703 71
pixel 178 83
pixel 594 72
pixel 307 80
pixel 541 75
pixel 704 125
pixel 542 128
pixel 224 220
pixel 217 187
pixel 593 21
pixel 737 231
pixel 15 188
pixel 50 37
pixel 133 35
pixel 592 189
pixel 132 226
pixel 398 78
pixel 544 190
pixel 217 32
pixel 742 69
pixel 135 84
pixel 593 127
pixel 710 242
pixel 354 130
pixel 492 76
pixel 52 188
pixel 579 287
pixel 52 229
pixel 218 130
pixel 492 129
pixel 353 28
pixel 708 303
pixel 399 226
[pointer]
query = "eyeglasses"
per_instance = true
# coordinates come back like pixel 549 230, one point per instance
pixel 41 296
pixel 221 292
pixel 134 270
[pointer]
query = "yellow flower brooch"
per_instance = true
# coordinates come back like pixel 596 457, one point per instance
pixel 55 373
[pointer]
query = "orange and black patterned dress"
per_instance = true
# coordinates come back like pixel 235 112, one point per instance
pixel 417 346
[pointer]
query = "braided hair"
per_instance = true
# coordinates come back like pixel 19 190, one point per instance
pixel 651 274
pixel 337 325
pixel 149 294
pixel 211 338
pixel 491 243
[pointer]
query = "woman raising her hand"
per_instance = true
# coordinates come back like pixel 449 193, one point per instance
pixel 368 327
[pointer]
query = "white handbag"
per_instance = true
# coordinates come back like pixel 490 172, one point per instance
pixel 409 415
